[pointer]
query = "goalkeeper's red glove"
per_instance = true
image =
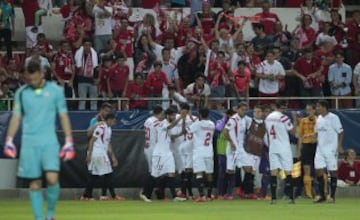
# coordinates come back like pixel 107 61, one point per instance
pixel 9 148
pixel 67 151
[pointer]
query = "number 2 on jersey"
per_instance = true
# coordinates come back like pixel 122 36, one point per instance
pixel 272 132
pixel 207 139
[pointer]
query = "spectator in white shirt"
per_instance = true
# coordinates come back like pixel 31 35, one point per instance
pixel 198 92
pixel 269 73
pixel 103 25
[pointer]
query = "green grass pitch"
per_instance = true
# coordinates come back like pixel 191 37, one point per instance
pixel 345 208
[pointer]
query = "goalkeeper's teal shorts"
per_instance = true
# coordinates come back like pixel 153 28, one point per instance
pixel 34 160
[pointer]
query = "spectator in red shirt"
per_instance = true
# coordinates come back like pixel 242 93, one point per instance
pixel 206 20
pixel 305 32
pixel 268 19
pixel 124 41
pixel 349 169
pixel 63 67
pixel 136 91
pixel 104 74
pixel 45 47
pixel 353 26
pixel 184 32
pixel 309 70
pixel 156 80
pixel 118 80
pixel 240 79
pixel 326 55
pixel 218 77
pixel 75 40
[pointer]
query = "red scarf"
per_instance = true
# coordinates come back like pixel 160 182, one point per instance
pixel 88 69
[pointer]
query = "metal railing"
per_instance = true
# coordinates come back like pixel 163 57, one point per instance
pixel 227 100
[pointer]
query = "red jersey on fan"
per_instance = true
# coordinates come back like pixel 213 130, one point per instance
pixel 155 82
pixel 268 20
pixel 118 77
pixel 293 3
pixel 104 75
pixel 63 65
pixel 138 90
pixel 124 42
pixel 217 73
pixel 149 4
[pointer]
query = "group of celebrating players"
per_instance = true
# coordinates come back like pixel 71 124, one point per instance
pixel 179 142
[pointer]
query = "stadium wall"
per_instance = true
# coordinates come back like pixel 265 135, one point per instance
pixel 54 25
pixel 128 141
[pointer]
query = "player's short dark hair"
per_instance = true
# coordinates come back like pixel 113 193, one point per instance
pixel 174 108
pixel 157 63
pixel 170 111
pixel 87 40
pixel 323 103
pixel 258 26
pixel 308 50
pixel 110 116
pixel 230 112
pixel 164 49
pixel 200 75
pixel 281 103
pixel 106 105
pixel 157 109
pixel 185 106
pixel 241 62
pixel 33 67
pixel 259 107
pixel 242 104
pixel 204 112
pixel 312 105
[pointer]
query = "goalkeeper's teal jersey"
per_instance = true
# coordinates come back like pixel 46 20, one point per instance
pixel 39 109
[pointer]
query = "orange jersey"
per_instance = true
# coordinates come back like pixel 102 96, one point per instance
pixel 306 130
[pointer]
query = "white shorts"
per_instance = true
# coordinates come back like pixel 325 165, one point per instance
pixel 250 160
pixel 187 160
pixel 282 161
pixel 233 160
pixel 148 156
pixel 100 163
pixel 162 164
pixel 203 164
pixel 186 151
pixel 179 167
pixel 31 37
pixel 326 160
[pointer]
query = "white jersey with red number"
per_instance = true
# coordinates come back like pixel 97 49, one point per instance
pixel 203 132
pixel 150 132
pixel 277 127
pixel 162 145
pixel 237 127
pixel 327 128
pixel 102 133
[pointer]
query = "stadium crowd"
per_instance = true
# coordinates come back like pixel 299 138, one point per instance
pixel 111 52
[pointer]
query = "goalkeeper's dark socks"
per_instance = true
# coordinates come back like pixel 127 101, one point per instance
pixel 289 188
pixel 333 185
pixel 273 187
pixel 265 181
pixel 321 183
pixel 171 184
pixel 201 185
pixel 189 183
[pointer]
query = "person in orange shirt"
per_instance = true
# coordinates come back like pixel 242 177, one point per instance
pixel 307 146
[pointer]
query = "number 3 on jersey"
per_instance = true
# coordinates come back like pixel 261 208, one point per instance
pixel 207 139
pixel 272 132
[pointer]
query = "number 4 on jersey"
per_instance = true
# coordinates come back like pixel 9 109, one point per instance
pixel 272 132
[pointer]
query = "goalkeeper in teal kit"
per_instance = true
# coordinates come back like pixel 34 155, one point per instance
pixel 36 107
